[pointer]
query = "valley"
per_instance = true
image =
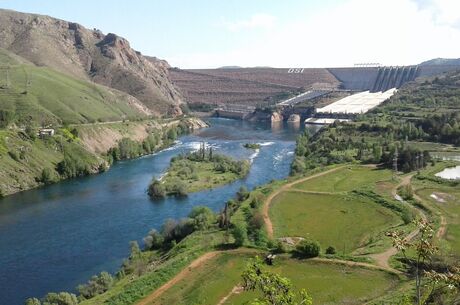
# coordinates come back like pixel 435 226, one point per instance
pixel 125 180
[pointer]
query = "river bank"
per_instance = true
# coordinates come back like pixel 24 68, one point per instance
pixel 28 161
pixel 56 237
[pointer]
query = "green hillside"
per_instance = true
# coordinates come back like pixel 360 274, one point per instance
pixel 44 96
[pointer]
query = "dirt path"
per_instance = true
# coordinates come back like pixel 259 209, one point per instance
pixel 382 259
pixel 181 275
pixel 266 206
pixel 357 264
pixel 442 228
pixel 236 290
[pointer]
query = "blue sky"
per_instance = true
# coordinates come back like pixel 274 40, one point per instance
pixel 200 34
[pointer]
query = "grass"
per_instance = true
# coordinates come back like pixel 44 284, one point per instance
pixel 212 281
pixel 42 95
pixel 450 208
pixel 345 179
pixel 343 221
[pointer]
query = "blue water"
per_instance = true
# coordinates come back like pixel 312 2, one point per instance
pixel 55 237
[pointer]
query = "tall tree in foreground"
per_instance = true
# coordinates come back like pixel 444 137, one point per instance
pixel 430 283
pixel 275 289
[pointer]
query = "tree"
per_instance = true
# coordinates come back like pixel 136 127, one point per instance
pixel 240 235
pixel 98 284
pixel 156 189
pixel 61 298
pixel 242 194
pixel 33 301
pixel 202 217
pixel 433 280
pixel 154 240
pixel 308 249
pixel 275 289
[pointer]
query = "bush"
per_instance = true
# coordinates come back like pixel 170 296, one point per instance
pixel 280 248
pixel 14 155
pixel 202 217
pixel 46 176
pixel 61 298
pixel 331 250
pixel 96 285
pixel 240 235
pixel 156 189
pixel 242 194
pixel 308 249
pixel 406 192
pixel 154 240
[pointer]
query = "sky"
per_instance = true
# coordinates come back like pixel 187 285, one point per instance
pixel 289 33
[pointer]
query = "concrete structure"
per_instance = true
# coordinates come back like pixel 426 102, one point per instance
pixel 357 103
pixel 322 121
pixel 46 132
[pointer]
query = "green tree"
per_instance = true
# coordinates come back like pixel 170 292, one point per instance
pixel 274 289
pixel 33 301
pixel 96 285
pixel 61 298
pixel 154 240
pixel 202 217
pixel 308 249
pixel 330 250
pixel 240 235
pixel 156 189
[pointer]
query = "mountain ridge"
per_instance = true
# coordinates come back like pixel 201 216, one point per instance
pixel 109 60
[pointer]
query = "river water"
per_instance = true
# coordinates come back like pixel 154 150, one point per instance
pixel 55 237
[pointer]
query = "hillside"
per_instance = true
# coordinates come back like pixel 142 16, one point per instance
pixel 252 86
pixel 42 96
pixel 91 56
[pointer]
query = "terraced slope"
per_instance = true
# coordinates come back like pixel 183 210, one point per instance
pixel 250 86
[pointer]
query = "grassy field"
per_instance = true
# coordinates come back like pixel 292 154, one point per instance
pixel 42 95
pixel 447 201
pixel 213 280
pixel 345 222
pixel 345 179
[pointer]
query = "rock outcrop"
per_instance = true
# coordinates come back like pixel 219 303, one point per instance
pixel 90 55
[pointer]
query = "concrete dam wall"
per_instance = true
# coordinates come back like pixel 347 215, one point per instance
pixel 376 79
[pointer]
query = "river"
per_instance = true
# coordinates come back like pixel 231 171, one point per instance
pixel 54 238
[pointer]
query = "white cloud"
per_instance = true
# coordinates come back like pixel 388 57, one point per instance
pixel 392 32
pixel 445 12
pixel 263 21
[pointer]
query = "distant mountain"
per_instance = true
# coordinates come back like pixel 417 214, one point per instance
pixel 90 55
pixel 442 62
pixel 230 67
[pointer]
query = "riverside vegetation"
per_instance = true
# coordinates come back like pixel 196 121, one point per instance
pixel 28 160
pixel 196 171
pixel 240 231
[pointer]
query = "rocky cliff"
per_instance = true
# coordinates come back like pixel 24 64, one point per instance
pixel 90 55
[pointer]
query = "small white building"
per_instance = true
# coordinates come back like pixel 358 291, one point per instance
pixel 46 132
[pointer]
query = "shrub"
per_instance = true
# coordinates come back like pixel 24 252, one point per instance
pixel 46 176
pixel 202 217
pixel 156 189
pixel 96 285
pixel 242 194
pixel 61 298
pixel 308 249
pixel 330 250
pixel 280 248
pixel 14 155
pixel 240 235
pixel 154 240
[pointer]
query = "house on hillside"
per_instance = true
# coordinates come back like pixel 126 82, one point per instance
pixel 46 132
